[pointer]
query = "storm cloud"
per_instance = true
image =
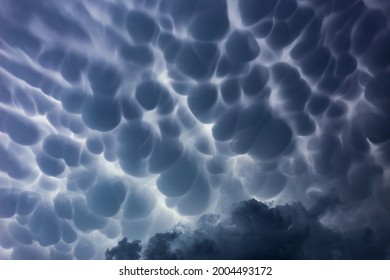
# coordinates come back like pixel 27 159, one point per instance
pixel 254 230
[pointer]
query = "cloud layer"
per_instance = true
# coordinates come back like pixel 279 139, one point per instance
pixel 124 118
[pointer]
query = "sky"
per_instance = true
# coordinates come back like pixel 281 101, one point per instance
pixel 184 126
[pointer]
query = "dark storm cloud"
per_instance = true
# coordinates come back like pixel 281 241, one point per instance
pixel 125 250
pixel 254 230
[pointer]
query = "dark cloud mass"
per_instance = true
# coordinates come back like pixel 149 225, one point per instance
pixel 125 250
pixel 255 231
pixel 266 121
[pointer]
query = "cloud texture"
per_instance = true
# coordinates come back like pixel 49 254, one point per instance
pixel 124 118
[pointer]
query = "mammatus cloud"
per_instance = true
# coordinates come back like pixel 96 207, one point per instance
pixel 124 118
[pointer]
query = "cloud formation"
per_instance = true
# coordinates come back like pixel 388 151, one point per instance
pixel 254 230
pixel 124 118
